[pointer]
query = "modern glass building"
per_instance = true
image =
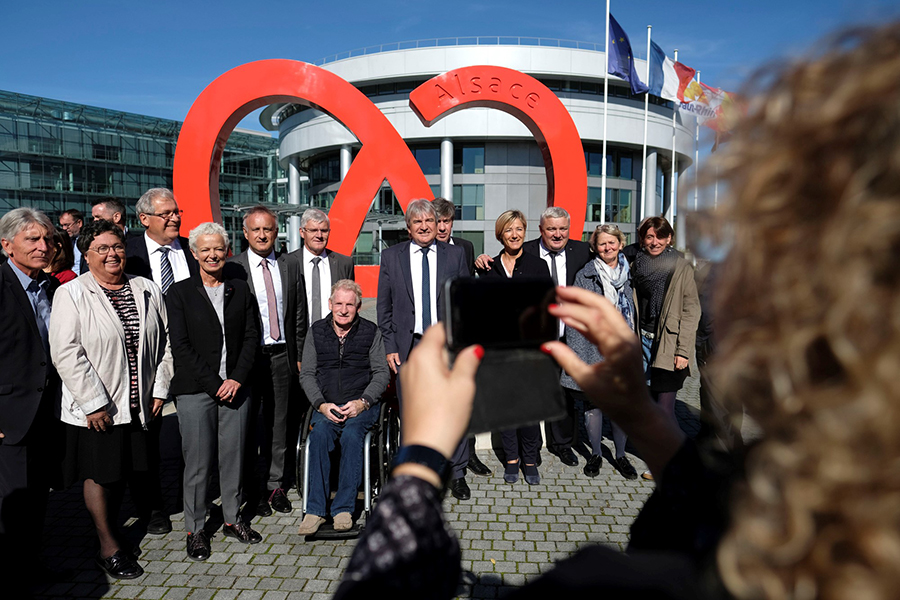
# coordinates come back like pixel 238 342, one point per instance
pixel 56 155
pixel 485 160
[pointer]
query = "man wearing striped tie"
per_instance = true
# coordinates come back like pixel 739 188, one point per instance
pixel 162 255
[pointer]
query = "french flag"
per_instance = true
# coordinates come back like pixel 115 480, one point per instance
pixel 668 79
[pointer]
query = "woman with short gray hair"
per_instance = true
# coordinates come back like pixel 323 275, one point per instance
pixel 214 333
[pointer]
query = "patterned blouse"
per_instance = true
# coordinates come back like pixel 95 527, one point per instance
pixel 123 302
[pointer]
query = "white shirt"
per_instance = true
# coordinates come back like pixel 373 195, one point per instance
pixel 259 289
pixel 415 268
pixel 560 271
pixel 176 258
pixel 324 279
pixel 77 253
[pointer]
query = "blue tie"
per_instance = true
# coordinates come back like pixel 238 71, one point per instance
pixel 426 291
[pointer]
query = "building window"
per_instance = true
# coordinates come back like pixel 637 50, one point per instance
pixel 468 159
pixel 325 170
pixel 469 201
pixel 476 237
pixel 429 160
pixel 618 205
pixel 619 162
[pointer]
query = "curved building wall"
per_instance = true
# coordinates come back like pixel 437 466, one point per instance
pixel 508 167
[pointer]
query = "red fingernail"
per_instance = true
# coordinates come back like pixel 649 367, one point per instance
pixel 545 349
pixel 479 352
pixel 553 306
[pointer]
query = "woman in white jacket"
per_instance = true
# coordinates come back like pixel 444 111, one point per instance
pixel 109 343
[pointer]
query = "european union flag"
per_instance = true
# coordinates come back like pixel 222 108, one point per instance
pixel 621 60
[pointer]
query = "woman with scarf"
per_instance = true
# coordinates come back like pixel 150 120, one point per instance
pixel 607 275
pixel 669 311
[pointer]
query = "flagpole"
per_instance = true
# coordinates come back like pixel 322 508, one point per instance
pixel 670 214
pixel 646 111
pixel 696 152
pixel 605 111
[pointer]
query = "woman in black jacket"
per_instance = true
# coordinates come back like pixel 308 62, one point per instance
pixel 214 336
pixel 513 262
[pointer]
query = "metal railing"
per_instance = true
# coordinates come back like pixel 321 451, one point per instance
pixel 463 41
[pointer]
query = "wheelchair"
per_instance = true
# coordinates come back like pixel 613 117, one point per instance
pixel 379 448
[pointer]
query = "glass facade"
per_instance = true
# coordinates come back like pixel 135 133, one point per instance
pixel 56 155
pixel 469 201
pixel 619 162
pixel 468 160
pixel 618 205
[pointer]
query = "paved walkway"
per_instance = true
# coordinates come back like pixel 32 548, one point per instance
pixel 509 534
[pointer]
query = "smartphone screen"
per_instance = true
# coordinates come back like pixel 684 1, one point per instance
pixel 500 313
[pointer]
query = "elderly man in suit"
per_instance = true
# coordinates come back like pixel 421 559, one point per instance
pixel 321 267
pixel 29 391
pixel 411 299
pixel 161 254
pixel 446 213
pixel 565 258
pixel 276 280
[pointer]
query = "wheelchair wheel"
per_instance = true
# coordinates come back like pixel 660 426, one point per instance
pixel 301 446
pixel 389 441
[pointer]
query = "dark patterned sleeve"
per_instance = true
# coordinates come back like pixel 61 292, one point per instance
pixel 407 550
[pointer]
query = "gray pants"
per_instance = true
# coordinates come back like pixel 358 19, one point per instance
pixel 211 429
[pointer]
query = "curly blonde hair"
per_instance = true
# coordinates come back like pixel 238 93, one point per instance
pixel 809 304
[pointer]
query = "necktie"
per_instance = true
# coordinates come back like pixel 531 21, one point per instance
pixel 316 290
pixel 426 291
pixel 553 272
pixel 166 277
pixel 274 329
pixel 41 311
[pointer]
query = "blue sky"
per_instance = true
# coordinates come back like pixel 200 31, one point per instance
pixel 154 57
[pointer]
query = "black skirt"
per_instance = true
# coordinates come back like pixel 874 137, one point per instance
pixel 667 381
pixel 108 456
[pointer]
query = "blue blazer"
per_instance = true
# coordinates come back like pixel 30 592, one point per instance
pixel 396 303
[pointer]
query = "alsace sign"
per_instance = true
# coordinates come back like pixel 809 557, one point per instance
pixel 383 155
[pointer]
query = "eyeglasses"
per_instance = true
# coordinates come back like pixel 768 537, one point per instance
pixel 104 249
pixel 172 214
pixel 315 231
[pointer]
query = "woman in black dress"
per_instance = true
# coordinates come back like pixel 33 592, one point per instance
pixel 513 262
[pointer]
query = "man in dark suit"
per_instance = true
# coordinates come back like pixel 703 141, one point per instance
pixel 71 221
pixel 276 280
pixel 446 213
pixel 565 258
pixel 163 256
pixel 411 299
pixel 322 268
pixel 29 391
pixel 160 254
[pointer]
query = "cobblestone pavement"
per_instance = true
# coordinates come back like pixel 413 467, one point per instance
pixel 508 533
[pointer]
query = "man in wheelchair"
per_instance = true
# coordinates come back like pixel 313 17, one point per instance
pixel 343 374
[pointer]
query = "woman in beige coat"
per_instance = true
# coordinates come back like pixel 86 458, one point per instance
pixel 109 343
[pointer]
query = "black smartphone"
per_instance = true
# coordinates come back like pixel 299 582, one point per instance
pixel 336 413
pixel 499 313
pixel 516 384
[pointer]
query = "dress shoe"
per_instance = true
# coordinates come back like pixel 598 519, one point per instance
pixel 567 457
pixel 280 502
pixel 647 475
pixel 477 467
pixel 511 472
pixel 626 468
pixel 241 532
pixel 120 566
pixel 198 546
pixel 460 489
pixel 159 523
pixel 592 468
pixel 310 524
pixel 263 509
pixel 343 521
pixel 532 477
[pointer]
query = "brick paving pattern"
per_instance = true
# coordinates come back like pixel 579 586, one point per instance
pixel 508 533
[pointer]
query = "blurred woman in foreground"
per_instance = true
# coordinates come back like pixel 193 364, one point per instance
pixel 809 309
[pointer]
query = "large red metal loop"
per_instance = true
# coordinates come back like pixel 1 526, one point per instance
pixel 532 103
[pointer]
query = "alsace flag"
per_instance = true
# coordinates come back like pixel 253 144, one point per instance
pixel 621 60
pixel 668 79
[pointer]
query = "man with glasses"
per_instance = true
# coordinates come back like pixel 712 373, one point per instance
pixel 162 255
pixel 71 221
pixel 321 267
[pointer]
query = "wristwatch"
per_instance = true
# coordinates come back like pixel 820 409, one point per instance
pixel 425 456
